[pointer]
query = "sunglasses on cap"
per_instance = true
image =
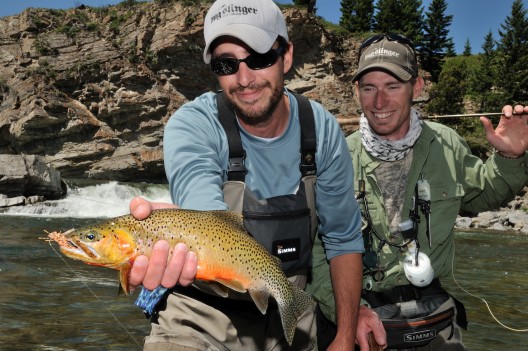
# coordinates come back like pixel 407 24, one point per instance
pixel 225 66
pixel 390 37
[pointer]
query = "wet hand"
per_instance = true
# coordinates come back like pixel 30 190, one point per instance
pixel 510 137
pixel 369 322
pixel 141 208
pixel 162 268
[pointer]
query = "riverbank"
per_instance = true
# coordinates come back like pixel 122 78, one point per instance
pixel 512 218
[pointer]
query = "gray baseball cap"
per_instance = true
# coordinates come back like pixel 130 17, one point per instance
pixel 257 23
pixel 392 56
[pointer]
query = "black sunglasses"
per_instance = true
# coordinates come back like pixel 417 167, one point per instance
pixel 390 37
pixel 225 66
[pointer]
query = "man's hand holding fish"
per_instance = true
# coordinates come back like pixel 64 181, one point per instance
pixel 161 269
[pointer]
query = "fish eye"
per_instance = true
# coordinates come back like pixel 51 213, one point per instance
pixel 89 236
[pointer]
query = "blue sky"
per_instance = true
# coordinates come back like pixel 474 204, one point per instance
pixel 472 19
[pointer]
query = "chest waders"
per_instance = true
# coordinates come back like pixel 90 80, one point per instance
pixel 201 316
pixel 285 225
pixel 414 316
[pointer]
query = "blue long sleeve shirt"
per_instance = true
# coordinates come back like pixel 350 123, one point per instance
pixel 196 161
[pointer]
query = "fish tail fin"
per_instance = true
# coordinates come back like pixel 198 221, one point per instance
pixel 149 299
pixel 291 309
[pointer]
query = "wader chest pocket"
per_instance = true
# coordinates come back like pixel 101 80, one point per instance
pixel 286 234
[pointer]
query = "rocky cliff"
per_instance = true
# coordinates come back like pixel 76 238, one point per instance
pixel 90 89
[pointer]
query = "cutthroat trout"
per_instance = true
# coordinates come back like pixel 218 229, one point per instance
pixel 226 254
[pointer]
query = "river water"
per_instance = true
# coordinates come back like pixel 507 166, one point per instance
pixel 48 303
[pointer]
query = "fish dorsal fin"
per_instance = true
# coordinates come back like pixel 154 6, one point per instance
pixel 260 298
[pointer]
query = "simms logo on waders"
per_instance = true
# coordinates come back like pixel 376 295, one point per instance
pixel 229 10
pixel 287 249
pixel 420 336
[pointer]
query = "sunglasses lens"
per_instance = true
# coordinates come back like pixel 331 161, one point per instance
pixel 224 66
pixel 260 61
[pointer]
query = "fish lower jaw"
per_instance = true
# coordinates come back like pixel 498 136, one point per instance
pixel 78 254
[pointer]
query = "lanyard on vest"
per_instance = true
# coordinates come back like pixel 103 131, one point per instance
pixel 236 169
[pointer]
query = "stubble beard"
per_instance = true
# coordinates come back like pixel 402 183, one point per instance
pixel 254 117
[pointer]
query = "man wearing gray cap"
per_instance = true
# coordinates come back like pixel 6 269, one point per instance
pixel 413 179
pixel 273 155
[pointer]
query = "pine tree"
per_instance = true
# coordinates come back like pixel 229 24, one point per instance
pixel 357 15
pixel 347 14
pixel 413 21
pixel 513 55
pixel 402 17
pixel 450 50
pixel 436 41
pixel 488 47
pixel 487 75
pixel 467 48
pixel 389 17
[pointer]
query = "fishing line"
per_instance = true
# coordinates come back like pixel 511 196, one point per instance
pixel 95 295
pixel 480 298
pixel 94 200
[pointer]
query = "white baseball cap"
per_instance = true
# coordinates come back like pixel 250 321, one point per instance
pixel 257 23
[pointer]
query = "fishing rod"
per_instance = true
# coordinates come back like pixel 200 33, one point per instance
pixel 346 121
pixel 485 114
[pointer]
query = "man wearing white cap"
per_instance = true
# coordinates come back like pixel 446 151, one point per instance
pixel 292 179
pixel 414 177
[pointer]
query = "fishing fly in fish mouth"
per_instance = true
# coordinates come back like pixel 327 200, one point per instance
pixel 226 253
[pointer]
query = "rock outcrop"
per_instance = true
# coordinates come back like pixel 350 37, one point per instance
pixel 91 89
pixel 28 179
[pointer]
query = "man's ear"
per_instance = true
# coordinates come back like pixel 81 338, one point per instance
pixel 418 86
pixel 288 57
pixel 356 90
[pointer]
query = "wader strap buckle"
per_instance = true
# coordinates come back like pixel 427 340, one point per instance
pixel 237 170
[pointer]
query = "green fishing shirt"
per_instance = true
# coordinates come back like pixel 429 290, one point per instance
pixel 458 181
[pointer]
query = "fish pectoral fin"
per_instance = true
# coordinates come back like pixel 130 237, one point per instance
pixel 120 291
pixel 232 284
pixel 260 298
pixel 124 274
